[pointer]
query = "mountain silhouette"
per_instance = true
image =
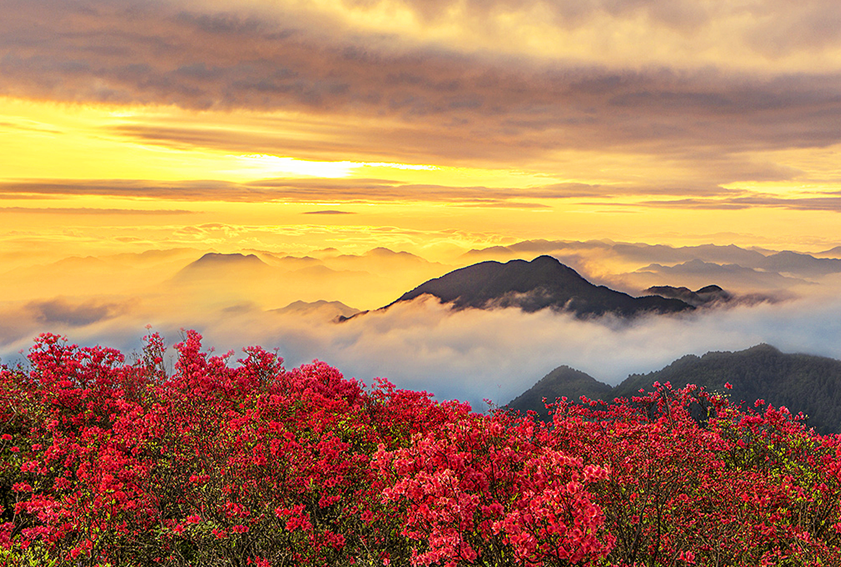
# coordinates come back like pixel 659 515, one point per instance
pixel 215 260
pixel 707 295
pixel 542 283
pixel 213 265
pixel 563 381
pixel 331 309
pixel 800 382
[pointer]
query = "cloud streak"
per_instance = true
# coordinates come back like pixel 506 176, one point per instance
pixel 813 203
pixel 709 197
pixel 91 211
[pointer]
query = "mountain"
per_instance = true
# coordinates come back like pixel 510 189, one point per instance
pixel 831 253
pixel 327 309
pixel 224 269
pixel 801 264
pixel 532 286
pixel 562 381
pixel 733 276
pixel 802 383
pixel 215 261
pixel 705 296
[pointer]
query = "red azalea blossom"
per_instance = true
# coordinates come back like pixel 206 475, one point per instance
pixel 245 462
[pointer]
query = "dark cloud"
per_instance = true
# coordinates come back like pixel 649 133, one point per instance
pixel 775 26
pixel 492 204
pixel 308 189
pixel 455 106
pixel 176 190
pixel 63 312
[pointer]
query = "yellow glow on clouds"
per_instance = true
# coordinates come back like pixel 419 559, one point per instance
pixel 262 165
pixel 46 140
pixel 719 34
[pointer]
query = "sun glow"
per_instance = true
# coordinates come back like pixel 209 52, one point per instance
pixel 261 165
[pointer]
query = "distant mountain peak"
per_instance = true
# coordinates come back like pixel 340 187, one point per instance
pixel 383 251
pixel 214 264
pixel 331 309
pixel 707 295
pixel 216 258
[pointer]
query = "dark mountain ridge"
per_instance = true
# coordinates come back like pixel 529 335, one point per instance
pixel 802 383
pixel 707 295
pixel 542 283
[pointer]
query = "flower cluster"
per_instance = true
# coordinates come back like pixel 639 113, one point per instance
pixel 239 463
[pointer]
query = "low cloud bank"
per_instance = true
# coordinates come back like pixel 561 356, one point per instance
pixel 474 355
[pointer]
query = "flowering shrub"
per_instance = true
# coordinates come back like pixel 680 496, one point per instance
pixel 493 491
pixel 106 462
pixel 722 487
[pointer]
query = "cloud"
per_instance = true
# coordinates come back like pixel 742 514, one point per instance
pixel 176 190
pixel 62 312
pixel 91 211
pixel 830 203
pixel 407 97
pixel 293 189
pixel 773 27
pixel 328 212
pixel 472 355
pixel 27 127
pixel 703 115
pixel 358 190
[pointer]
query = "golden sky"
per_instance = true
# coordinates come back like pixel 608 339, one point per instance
pixel 430 126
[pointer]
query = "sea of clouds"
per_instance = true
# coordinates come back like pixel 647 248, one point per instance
pixel 476 355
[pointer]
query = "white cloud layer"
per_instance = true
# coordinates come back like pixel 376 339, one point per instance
pixel 475 355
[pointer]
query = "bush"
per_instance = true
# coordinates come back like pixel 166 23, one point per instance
pixel 104 462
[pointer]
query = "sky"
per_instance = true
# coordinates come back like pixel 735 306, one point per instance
pixel 136 136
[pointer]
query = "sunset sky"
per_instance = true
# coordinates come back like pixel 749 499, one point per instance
pixel 427 126
pixel 451 123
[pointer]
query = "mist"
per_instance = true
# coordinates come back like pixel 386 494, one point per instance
pixel 291 304
pixel 476 355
